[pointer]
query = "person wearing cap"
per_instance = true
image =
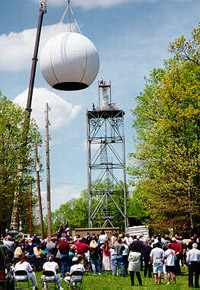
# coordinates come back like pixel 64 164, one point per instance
pixel 94 257
pixel 63 247
pixel 76 266
pixel 193 262
pixel 51 265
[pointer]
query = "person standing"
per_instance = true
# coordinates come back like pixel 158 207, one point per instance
pixel 60 230
pixel 81 249
pixel 10 245
pixel 170 256
pixel 156 258
pixel 125 254
pixel 63 247
pixel 51 247
pixel 178 250
pixel 106 262
pixel 193 262
pixel 128 239
pixel 94 257
pixel 134 265
pixel 102 238
pixel 35 240
pixel 118 247
pixel 146 256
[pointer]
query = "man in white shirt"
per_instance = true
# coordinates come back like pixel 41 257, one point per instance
pixel 128 239
pixel 51 265
pixel 193 262
pixel 142 239
pixel 102 238
pixel 77 266
pixel 170 256
pixel 156 258
pixel 125 254
pixel 25 266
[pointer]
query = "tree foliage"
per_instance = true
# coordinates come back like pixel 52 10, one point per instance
pixel 15 180
pixel 76 210
pixel 167 118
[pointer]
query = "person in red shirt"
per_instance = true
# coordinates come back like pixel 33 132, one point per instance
pixel 178 250
pixel 63 247
pixel 81 249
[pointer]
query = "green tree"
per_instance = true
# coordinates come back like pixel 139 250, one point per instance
pixel 76 210
pixel 166 170
pixel 15 180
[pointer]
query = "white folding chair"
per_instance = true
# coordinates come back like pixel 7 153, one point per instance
pixel 76 280
pixel 21 276
pixel 49 277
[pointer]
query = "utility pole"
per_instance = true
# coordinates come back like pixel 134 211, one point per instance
pixel 48 174
pixel 38 166
pixel 30 212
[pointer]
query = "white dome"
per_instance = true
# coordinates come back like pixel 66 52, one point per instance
pixel 69 61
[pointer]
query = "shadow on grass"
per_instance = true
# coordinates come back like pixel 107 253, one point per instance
pixel 109 282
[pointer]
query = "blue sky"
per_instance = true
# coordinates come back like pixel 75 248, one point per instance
pixel 131 36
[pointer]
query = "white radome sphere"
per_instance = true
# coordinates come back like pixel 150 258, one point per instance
pixel 69 61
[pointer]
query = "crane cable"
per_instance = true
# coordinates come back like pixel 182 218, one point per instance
pixel 70 12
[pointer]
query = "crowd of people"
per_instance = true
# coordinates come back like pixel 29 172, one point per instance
pixel 159 256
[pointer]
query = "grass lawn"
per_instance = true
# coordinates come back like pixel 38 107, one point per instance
pixel 108 282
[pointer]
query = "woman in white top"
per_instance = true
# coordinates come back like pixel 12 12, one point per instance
pixel 170 256
pixel 134 265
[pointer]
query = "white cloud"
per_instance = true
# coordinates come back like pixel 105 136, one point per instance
pixel 87 4
pixel 59 196
pixel 83 147
pixel 105 4
pixel 61 114
pixel 17 48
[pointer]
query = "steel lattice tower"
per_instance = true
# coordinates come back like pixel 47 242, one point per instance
pixel 106 161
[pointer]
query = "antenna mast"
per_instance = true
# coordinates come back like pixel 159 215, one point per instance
pixel 48 175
